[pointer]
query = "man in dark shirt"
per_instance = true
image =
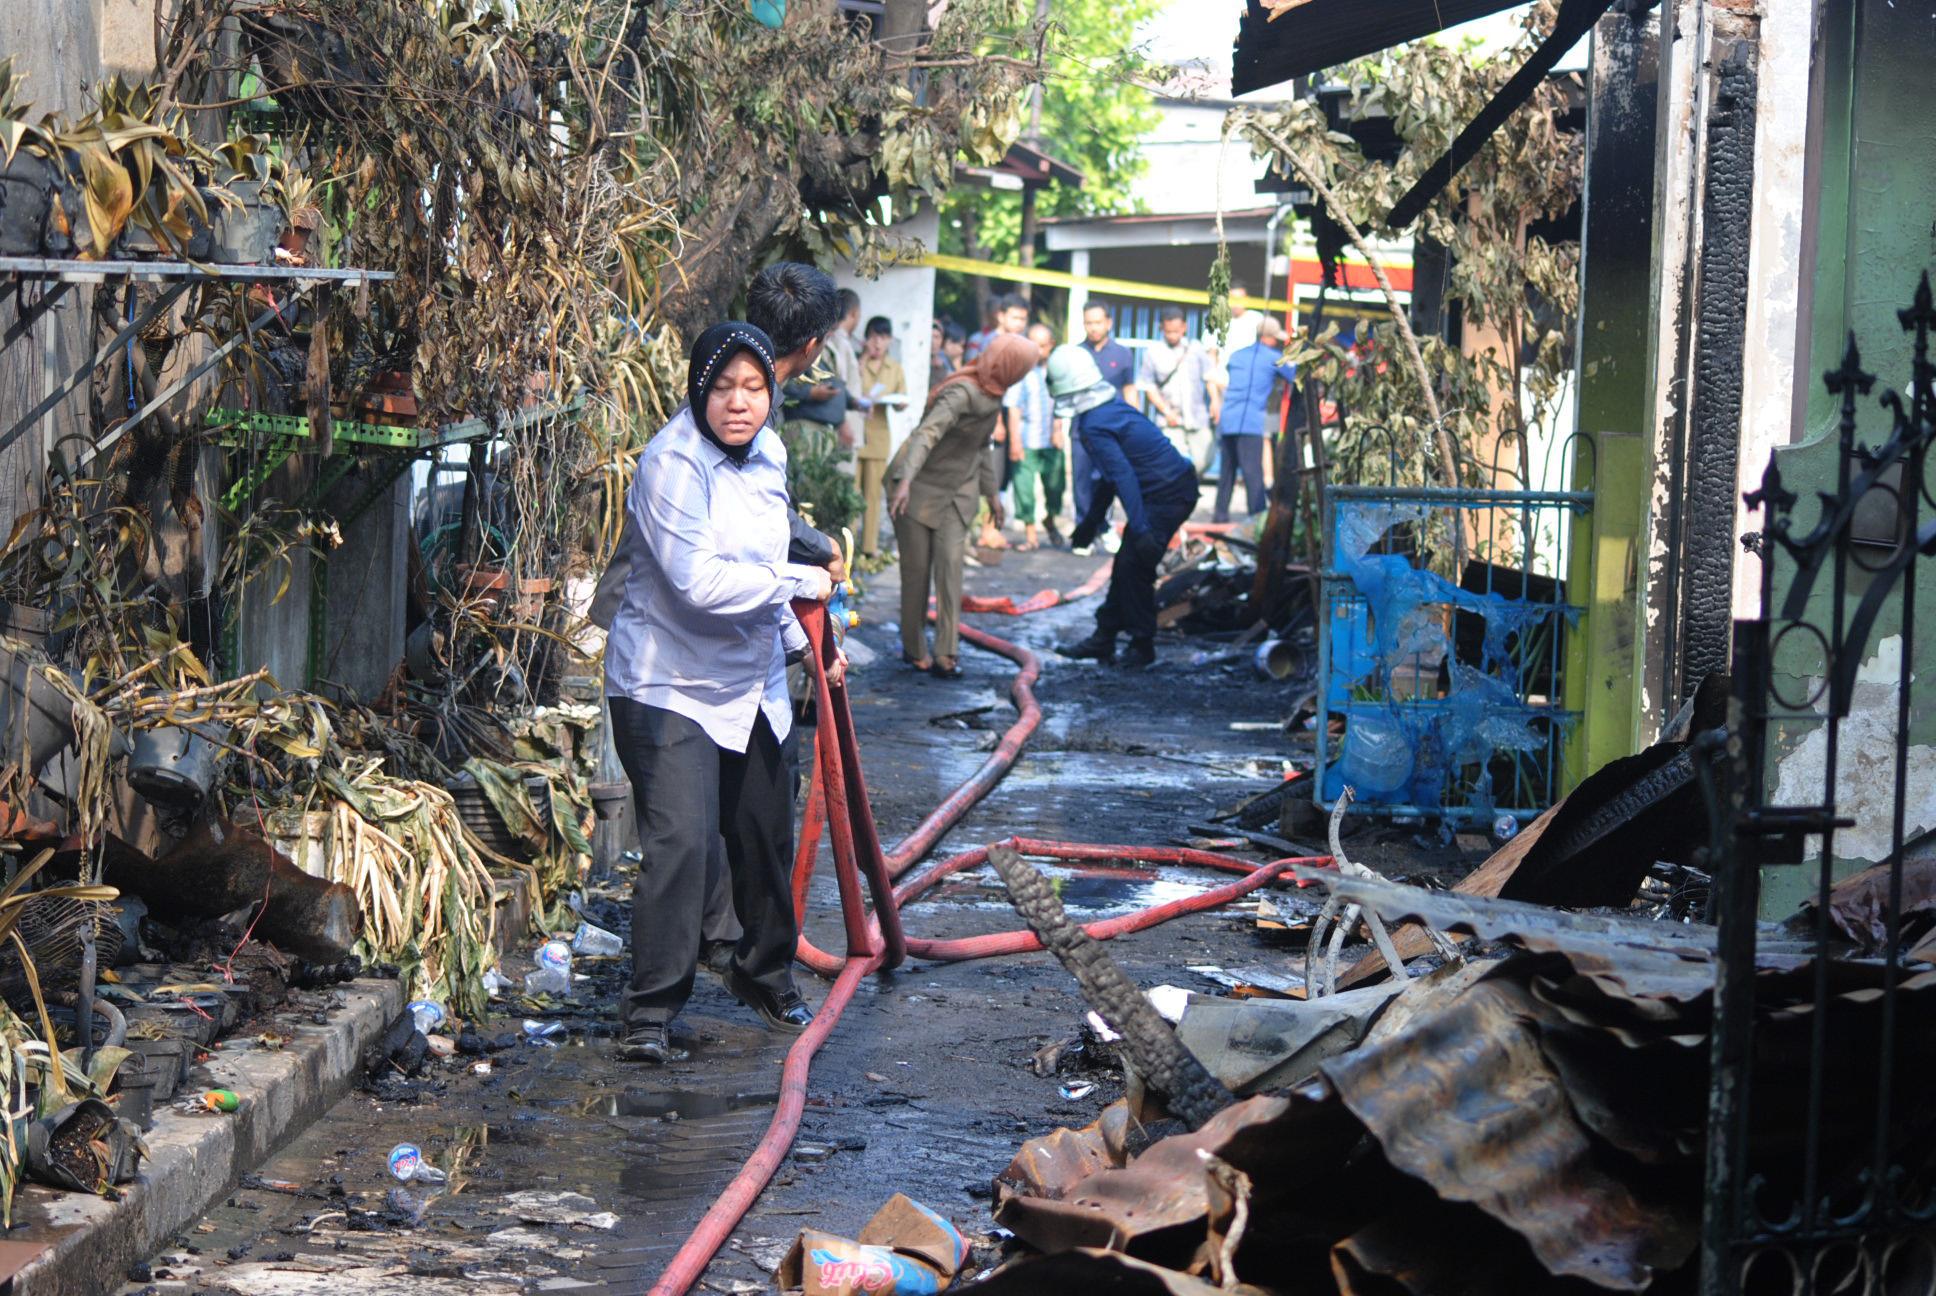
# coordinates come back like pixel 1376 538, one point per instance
pixel 1136 464
pixel 1117 364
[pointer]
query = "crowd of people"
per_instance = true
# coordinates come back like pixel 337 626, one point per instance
pixel 1218 406
pixel 994 448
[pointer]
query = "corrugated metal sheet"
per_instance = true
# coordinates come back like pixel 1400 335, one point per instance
pixel 1324 33
pixel 1467 1102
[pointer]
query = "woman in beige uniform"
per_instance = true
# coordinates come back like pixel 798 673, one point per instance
pixel 935 480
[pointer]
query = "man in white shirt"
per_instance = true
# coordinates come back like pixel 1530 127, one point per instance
pixel 846 358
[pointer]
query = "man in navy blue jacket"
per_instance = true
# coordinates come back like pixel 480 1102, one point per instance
pixel 1132 461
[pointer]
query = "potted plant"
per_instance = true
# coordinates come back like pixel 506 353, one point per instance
pixel 27 178
pixel 302 215
pixel 130 162
pixel 247 220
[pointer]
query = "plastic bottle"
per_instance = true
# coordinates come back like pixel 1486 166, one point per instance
pixel 596 941
pixel 553 973
pixel 1505 828
pixel 408 1166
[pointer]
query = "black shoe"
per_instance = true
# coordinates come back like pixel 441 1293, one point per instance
pixel 787 1012
pixel 716 957
pixel 1097 647
pixel 1137 653
pixel 1055 533
pixel 648 1044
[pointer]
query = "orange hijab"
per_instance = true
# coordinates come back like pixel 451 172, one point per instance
pixel 1006 360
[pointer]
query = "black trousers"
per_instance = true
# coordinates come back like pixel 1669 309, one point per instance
pixel 1247 453
pixel 1130 606
pixel 691 793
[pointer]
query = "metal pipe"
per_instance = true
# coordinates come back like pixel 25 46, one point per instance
pixel 1270 257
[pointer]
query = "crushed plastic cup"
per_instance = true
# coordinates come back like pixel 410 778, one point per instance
pixel 555 954
pixel 429 1014
pixel 543 1032
pixel 496 984
pixel 596 942
pixel 408 1166
pixel 547 981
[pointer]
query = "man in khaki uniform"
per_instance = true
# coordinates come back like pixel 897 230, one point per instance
pixel 881 380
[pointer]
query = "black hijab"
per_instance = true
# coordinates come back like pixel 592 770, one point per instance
pixel 710 353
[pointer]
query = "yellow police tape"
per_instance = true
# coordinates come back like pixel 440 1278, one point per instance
pixel 1117 287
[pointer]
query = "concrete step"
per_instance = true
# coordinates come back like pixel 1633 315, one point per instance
pixel 196 1160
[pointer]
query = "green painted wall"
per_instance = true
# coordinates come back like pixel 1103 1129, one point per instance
pixel 1615 356
pixel 1875 234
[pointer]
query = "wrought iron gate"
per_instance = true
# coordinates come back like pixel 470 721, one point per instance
pixel 1812 1185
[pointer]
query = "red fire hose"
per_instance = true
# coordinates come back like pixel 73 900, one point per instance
pixel 837 804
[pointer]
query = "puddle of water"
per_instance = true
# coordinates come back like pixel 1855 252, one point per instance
pixel 1086 891
pixel 674 1104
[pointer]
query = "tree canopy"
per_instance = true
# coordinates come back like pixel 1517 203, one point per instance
pixel 1095 113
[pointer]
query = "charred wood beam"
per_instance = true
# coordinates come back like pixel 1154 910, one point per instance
pixel 1706 520
pixel 1191 1093
pixel 1576 19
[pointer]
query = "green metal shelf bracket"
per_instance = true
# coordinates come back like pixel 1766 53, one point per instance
pixel 274 457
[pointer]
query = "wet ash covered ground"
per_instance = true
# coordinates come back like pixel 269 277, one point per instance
pixel 924 1088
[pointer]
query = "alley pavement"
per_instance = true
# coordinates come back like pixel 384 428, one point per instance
pixel 571 1171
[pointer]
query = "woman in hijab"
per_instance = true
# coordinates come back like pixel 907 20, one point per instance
pixel 935 480
pixel 695 673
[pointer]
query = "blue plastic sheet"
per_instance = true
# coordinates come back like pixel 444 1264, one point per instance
pixel 1405 743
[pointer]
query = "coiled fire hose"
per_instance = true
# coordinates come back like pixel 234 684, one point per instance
pixel 837 805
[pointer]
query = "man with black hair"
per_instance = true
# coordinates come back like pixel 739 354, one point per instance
pixel 885 384
pixel 1178 377
pixel 1117 363
pixel 843 345
pixel 816 401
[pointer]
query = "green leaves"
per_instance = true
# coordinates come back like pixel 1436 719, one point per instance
pixel 1095 115
pixel 1510 373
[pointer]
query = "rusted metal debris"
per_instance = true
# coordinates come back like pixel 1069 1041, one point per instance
pixel 1096 1271
pixel 1532 1122
pixel 1468 1102
pixel 1340 917
pixel 1652 959
pixel 1859 907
